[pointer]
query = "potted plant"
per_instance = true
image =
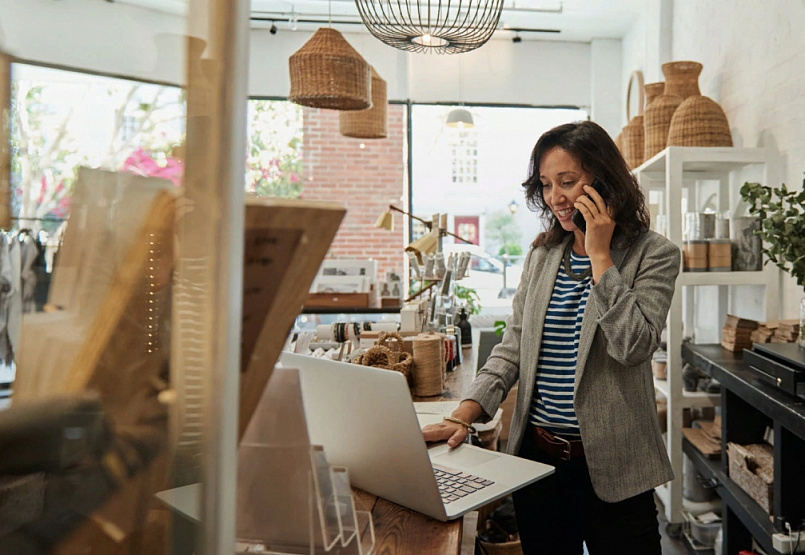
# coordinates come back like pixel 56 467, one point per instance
pixel 782 230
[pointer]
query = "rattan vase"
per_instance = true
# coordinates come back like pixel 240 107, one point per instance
pixel 371 123
pixel 632 135
pixel 699 121
pixel 681 80
pixel 657 119
pixel 328 73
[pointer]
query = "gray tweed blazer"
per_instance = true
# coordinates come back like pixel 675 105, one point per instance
pixel 614 394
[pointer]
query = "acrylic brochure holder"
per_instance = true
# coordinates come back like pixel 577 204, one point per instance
pixel 290 500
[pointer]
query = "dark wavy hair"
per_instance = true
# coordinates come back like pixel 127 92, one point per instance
pixel 599 156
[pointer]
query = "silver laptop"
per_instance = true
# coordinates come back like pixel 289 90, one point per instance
pixel 365 419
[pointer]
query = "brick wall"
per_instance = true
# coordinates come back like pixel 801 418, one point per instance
pixel 366 180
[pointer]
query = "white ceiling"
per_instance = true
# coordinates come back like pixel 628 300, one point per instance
pixel 576 20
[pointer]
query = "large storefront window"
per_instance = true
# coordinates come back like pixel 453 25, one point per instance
pixel 62 120
pixel 274 158
pixel 475 175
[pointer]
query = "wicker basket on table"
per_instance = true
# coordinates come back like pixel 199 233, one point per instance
pixel 387 353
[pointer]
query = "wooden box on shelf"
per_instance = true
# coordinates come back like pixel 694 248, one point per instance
pixel 337 300
pixel 390 302
pixel 752 467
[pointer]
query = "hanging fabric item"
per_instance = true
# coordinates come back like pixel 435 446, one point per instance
pixel 29 253
pixel 6 291
pixel 14 316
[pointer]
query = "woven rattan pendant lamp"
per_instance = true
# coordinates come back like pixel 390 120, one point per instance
pixel 371 123
pixel 440 26
pixel 328 73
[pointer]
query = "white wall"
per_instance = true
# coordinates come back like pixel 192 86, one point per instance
pixel 99 36
pixel 647 46
pixel 607 91
pixel 529 72
pixel 754 68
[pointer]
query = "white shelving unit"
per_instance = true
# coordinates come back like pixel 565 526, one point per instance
pixel 676 178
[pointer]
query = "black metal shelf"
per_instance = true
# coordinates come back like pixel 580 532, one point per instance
pixel 753 517
pixel 727 368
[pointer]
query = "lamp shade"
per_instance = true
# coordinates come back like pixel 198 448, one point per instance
pixel 459 118
pixel 385 221
pixel 371 123
pixel 328 73
pixel 424 245
pixel 438 26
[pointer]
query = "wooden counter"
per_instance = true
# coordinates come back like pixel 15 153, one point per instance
pixel 401 531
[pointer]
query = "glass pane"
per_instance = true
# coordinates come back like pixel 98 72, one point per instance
pixel 124 239
pixel 475 175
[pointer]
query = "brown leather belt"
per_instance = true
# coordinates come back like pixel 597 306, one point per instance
pixel 556 446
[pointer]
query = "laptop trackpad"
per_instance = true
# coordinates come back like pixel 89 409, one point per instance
pixel 465 457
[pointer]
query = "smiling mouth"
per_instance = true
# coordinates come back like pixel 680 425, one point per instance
pixel 564 213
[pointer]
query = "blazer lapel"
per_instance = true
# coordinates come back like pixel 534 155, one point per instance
pixel 535 312
pixel 589 325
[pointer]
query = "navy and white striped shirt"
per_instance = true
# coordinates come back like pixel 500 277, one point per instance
pixel 552 404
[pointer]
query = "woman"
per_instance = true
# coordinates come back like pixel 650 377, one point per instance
pixel 585 321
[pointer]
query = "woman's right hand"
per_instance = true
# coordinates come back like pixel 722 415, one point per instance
pixel 454 433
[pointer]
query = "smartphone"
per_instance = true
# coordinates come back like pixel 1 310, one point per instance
pixel 577 216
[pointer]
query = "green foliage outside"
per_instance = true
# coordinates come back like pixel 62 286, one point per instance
pixel 274 160
pixel 52 135
pixel 501 229
pixel 470 298
pixel 782 216
pixel 511 250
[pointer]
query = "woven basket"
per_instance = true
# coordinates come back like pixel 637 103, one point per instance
pixel 632 134
pixel 632 139
pixel 653 90
pixel 387 353
pixel 505 548
pixel 699 121
pixel 328 73
pixel 657 122
pixel 682 78
pixel 657 119
pixel 371 123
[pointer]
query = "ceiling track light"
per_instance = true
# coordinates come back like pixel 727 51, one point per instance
pixel 318 19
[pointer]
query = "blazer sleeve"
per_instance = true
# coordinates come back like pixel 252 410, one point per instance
pixel 502 369
pixel 632 317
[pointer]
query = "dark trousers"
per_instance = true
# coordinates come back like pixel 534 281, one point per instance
pixel 556 514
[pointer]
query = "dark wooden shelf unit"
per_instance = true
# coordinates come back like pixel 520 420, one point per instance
pixel 748 407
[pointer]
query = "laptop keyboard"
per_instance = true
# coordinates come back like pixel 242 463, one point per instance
pixel 454 485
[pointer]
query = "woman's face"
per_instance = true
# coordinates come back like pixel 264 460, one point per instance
pixel 563 180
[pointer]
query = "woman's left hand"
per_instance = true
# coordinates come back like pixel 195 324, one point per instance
pixel 600 224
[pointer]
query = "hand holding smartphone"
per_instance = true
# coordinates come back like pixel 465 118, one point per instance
pixel 577 216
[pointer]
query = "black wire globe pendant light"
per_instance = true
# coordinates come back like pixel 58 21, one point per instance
pixel 439 26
